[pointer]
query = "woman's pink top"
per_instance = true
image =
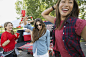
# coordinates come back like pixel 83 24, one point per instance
pixel 59 44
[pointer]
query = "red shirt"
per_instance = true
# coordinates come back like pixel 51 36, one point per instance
pixel 59 44
pixel 5 36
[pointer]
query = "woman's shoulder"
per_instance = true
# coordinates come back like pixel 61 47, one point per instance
pixel 80 24
pixel 4 33
pixel 80 21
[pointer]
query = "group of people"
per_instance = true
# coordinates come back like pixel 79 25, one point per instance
pixel 67 32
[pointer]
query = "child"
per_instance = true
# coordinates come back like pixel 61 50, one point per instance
pixel 8 40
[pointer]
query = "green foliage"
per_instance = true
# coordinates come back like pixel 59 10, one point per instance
pixel 18 5
pixel 82 40
pixel 34 7
pixel 82 7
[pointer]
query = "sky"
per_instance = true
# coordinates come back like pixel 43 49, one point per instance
pixel 7 11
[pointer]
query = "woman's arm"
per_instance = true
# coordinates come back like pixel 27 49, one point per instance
pixel 30 21
pixel 25 20
pixel 83 33
pixel 29 27
pixel 46 15
pixel 5 41
pixel 27 30
pixel 20 22
pixel 17 36
pixel 31 35
pixel 48 39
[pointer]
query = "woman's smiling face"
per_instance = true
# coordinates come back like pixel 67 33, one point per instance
pixel 9 27
pixel 65 7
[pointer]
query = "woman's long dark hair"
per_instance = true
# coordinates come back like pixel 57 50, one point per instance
pixel 73 13
pixel 36 34
pixel 5 25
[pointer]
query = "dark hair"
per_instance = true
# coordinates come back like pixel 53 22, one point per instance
pixel 5 25
pixel 73 13
pixel 36 31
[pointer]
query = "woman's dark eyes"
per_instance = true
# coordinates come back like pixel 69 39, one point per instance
pixel 63 1
pixel 70 2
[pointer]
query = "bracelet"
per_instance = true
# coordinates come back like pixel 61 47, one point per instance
pixel 53 8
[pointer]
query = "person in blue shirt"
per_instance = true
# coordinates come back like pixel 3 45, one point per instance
pixel 40 38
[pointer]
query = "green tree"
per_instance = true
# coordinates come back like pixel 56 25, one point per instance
pixel 34 7
pixel 82 7
pixel 18 5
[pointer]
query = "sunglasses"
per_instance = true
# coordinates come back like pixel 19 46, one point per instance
pixel 38 25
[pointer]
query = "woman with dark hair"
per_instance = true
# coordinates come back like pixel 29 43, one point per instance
pixel 68 28
pixel 40 38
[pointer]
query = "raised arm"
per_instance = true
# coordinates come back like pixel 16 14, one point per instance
pixel 83 33
pixel 20 22
pixel 28 27
pixel 25 20
pixel 46 15
pixel 31 20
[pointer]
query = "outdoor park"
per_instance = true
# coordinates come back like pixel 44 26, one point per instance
pixel 34 8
